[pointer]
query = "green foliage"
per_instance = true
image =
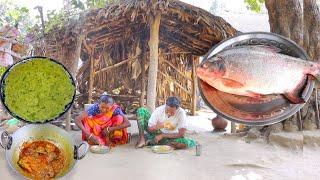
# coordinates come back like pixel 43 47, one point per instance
pixel 15 15
pixel 254 5
pixel 38 90
pixel 56 20
pixel 91 4
pixel 78 4
pixel 96 3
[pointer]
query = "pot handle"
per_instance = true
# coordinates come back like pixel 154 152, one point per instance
pixel 78 156
pixel 6 140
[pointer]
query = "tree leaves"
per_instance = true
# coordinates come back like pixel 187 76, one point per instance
pixel 254 5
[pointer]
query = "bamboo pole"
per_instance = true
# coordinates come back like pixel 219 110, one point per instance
pixel 176 69
pixel 91 79
pixel 115 65
pixel 194 85
pixel 175 82
pixel 317 109
pixel 143 75
pixel 233 127
pixel 154 58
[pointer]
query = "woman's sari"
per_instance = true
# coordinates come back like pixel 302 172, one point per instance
pixel 95 124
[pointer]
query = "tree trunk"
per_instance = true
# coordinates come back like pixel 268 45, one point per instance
pixel 154 56
pixel 287 18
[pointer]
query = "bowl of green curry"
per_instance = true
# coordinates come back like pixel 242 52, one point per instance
pixel 37 90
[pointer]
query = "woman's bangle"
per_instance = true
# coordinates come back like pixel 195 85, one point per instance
pixel 90 136
pixel 108 129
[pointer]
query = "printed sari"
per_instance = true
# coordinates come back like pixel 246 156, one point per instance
pixel 95 124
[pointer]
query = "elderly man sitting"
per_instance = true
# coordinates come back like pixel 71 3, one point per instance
pixel 165 126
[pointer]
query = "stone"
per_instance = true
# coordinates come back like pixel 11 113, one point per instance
pixel 311 138
pixel 290 125
pixel 292 140
pixel 253 133
pixel 309 125
pixel 274 128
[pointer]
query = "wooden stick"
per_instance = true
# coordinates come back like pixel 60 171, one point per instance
pixel 143 74
pixel 115 65
pixel 317 109
pixel 176 69
pixel 300 123
pixel 91 79
pixel 194 85
pixel 169 53
pixel 175 82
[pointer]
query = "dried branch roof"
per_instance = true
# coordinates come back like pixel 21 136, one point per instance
pixel 184 28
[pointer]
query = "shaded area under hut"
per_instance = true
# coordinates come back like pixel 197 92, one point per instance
pixel 140 52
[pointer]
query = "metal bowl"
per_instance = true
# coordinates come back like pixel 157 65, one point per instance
pixel 99 149
pixel 268 110
pixel 2 90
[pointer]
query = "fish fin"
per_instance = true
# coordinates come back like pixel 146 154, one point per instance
pixel 267 48
pixel 294 95
pixel 294 98
pixel 255 95
pixel 231 83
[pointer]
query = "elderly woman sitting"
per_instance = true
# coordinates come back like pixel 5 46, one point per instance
pixel 104 123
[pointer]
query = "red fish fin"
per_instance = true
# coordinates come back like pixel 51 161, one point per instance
pixel 231 83
pixel 255 95
pixel 294 98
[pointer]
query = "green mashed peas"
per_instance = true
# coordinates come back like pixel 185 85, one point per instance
pixel 2 70
pixel 38 90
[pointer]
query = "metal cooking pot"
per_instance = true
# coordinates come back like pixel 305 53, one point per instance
pixel 268 110
pixel 59 137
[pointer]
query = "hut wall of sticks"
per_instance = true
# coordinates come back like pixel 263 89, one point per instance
pixel 138 51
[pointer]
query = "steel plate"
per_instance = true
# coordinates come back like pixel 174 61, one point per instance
pixel 268 110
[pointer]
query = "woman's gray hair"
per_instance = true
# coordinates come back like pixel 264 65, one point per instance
pixel 106 99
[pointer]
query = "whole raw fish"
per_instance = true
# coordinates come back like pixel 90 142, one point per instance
pixel 256 71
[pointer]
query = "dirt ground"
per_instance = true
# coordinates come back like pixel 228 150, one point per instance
pixel 230 158
pixel 222 158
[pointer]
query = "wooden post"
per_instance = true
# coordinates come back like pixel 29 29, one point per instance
pixel 317 109
pixel 195 62
pixel 233 127
pixel 91 78
pixel 154 57
pixel 73 70
pixel 143 75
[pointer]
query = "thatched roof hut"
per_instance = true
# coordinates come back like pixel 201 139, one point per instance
pixel 139 51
